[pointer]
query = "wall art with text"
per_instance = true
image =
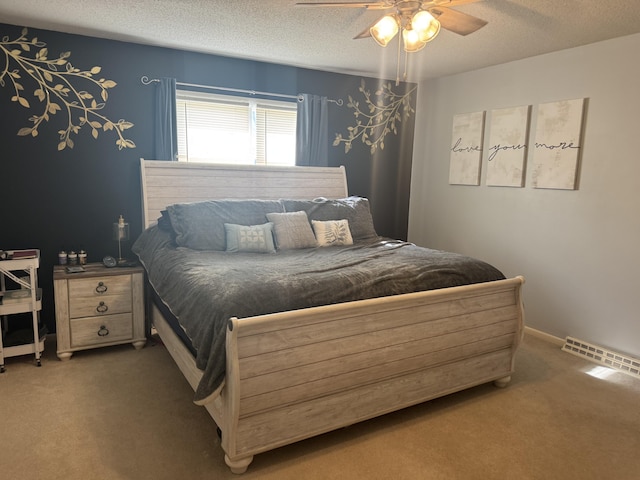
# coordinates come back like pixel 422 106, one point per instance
pixel 466 149
pixel 556 150
pixel 507 149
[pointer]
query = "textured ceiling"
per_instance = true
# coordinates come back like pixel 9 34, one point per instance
pixel 321 38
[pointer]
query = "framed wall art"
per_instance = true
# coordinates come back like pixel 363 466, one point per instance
pixel 466 149
pixel 507 149
pixel 557 145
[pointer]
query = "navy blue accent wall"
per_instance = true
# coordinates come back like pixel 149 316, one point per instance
pixel 68 199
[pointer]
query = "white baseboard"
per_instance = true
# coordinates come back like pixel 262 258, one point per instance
pixel 544 336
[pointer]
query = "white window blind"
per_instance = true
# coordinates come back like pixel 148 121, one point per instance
pixel 227 129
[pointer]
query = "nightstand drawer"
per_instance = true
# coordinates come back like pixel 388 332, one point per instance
pixel 100 286
pixel 90 331
pixel 102 305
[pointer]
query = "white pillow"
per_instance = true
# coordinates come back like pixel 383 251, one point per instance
pixel 332 232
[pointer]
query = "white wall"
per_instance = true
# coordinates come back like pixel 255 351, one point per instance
pixel 578 250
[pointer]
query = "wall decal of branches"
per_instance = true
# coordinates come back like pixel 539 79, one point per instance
pixel 378 119
pixel 60 88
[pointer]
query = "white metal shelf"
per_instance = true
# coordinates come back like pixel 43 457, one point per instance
pixel 29 301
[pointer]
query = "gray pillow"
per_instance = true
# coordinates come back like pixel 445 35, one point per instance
pixel 354 209
pixel 200 225
pixel 292 230
pixel 250 238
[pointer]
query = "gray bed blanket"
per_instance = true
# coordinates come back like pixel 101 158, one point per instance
pixel 203 289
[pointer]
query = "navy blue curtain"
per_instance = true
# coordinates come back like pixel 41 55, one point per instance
pixel 312 131
pixel 165 130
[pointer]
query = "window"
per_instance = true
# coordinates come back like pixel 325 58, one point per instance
pixel 228 129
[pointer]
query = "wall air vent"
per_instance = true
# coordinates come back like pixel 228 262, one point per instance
pixel 601 355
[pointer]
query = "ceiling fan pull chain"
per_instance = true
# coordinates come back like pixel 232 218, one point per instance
pixel 406 65
pixel 398 64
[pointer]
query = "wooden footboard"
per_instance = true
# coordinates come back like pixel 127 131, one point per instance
pixel 298 374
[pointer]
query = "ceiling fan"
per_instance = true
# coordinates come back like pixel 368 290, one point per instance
pixel 419 21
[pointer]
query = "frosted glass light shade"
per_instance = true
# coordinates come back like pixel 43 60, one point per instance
pixel 412 42
pixel 384 30
pixel 425 25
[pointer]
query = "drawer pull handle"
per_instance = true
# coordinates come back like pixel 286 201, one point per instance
pixel 103 332
pixel 101 288
pixel 102 308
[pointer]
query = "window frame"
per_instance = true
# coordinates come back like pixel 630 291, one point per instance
pixel 257 150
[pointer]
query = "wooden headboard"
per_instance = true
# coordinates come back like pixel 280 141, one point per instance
pixel 165 183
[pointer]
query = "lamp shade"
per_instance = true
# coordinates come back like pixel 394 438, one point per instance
pixel 412 42
pixel 120 234
pixel 385 29
pixel 426 26
pixel 121 230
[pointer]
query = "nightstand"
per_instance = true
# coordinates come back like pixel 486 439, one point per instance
pixel 98 308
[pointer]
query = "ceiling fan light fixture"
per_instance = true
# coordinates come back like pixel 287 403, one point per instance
pixel 412 41
pixel 416 19
pixel 426 25
pixel 384 30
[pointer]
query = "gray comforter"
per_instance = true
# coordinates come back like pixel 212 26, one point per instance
pixel 204 289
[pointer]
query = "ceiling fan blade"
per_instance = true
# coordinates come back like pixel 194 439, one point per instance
pixel 457 22
pixel 366 33
pixel 448 3
pixel 371 5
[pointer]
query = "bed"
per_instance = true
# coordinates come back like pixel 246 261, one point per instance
pixel 281 376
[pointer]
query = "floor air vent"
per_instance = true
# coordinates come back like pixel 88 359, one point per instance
pixel 621 362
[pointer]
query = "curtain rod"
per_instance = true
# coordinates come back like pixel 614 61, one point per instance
pixel 147 81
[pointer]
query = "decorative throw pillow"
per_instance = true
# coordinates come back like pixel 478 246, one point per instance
pixel 332 232
pixel 354 209
pixel 292 230
pixel 252 238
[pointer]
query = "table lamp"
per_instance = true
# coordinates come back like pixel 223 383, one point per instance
pixel 121 234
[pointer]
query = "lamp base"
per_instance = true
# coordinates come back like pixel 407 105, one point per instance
pixel 123 262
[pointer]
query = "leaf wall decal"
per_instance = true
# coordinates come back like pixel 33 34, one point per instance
pixel 58 88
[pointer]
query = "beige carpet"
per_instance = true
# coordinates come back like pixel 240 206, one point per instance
pixel 118 413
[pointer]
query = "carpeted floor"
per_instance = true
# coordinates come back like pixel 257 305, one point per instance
pixel 118 413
